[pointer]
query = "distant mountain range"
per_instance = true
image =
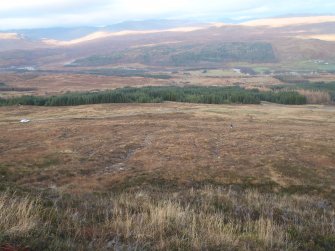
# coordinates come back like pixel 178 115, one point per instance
pixel 65 34
pixel 174 43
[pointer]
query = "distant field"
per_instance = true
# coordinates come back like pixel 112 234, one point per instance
pixel 141 175
pixel 303 66
pixel 60 83
pixel 314 65
pixel 46 84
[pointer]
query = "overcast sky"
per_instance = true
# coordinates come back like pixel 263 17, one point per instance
pixel 50 13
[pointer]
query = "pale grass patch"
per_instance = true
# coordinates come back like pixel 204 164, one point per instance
pixel 18 215
pixel 195 219
pixel 169 222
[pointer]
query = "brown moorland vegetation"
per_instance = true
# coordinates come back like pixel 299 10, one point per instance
pixel 168 176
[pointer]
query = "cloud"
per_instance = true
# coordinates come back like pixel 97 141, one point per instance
pixel 46 13
pixel 33 8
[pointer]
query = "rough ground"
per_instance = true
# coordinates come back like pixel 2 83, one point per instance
pixel 110 147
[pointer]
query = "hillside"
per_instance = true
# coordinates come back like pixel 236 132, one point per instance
pixel 168 176
pixel 166 134
pixel 288 40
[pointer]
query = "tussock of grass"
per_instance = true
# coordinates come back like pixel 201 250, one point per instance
pixel 18 216
pixel 196 219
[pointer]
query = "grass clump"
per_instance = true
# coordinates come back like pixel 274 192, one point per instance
pixel 19 216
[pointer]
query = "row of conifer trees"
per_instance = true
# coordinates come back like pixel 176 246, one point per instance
pixel 190 94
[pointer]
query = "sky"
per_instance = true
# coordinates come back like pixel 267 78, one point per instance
pixel 20 14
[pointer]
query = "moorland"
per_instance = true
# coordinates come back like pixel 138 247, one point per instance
pixel 218 137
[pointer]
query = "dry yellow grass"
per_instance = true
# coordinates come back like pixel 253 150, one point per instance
pixel 195 219
pixel 18 215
